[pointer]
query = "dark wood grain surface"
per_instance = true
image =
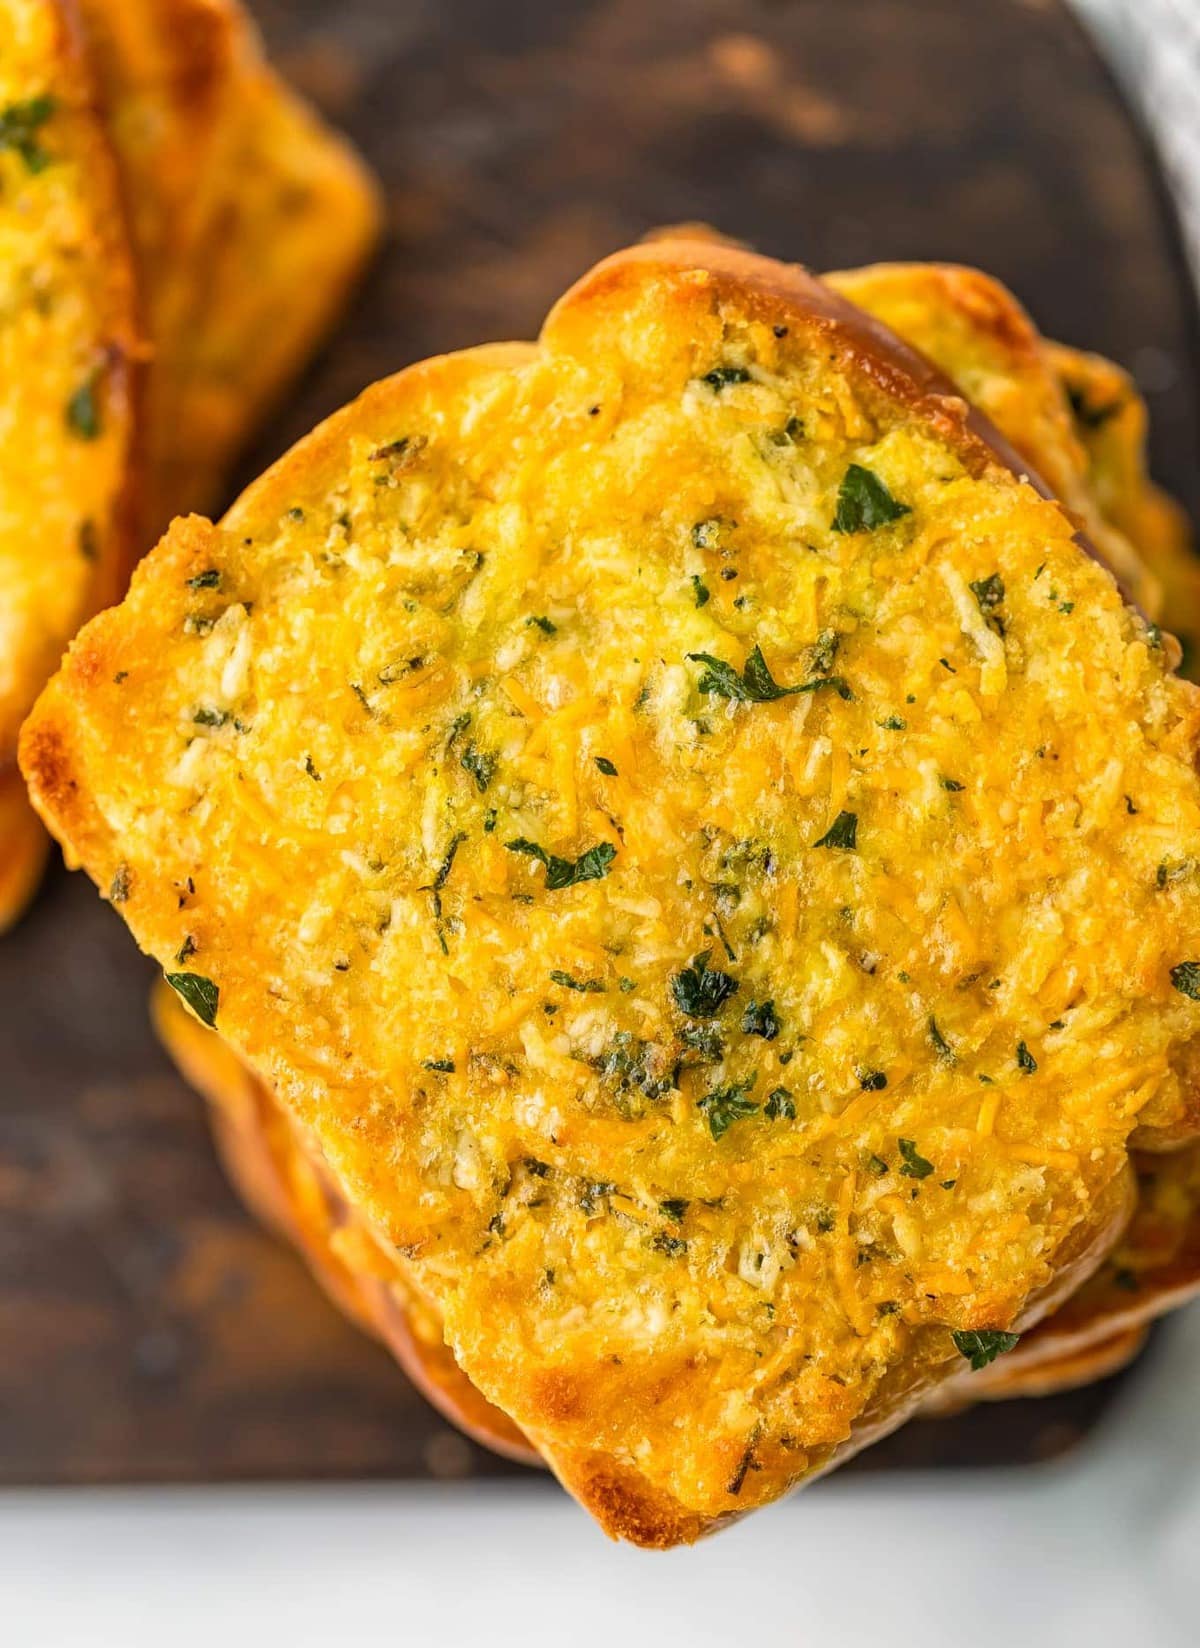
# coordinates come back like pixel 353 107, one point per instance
pixel 147 1330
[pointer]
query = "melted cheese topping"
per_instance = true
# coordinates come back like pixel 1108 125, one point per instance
pixel 411 760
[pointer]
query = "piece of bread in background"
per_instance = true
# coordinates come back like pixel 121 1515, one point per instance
pixel 246 221
pixel 252 219
pixel 1111 422
pixel 68 352
pixel 721 533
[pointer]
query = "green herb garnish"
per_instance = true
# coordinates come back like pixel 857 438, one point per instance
pixel 941 1045
pixel 20 126
pixel 722 376
pixel 981 1346
pixel 865 503
pixel 445 1066
pixel 701 991
pixel 914 1164
pixel 606 766
pixel 594 986
pixel 1185 976
pixel 700 590
pixel 1025 1059
pixel 761 1019
pixel 725 1105
pixel 200 993
pixel 593 865
pixel 480 764
pixel 546 626
pixel 872 1081
pixel 953 785
pixel 755 685
pixel 780 1106
pixel 83 411
pixel 988 593
pixel 843 832
pixel 210 578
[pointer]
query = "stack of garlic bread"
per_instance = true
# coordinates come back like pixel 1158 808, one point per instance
pixel 672 847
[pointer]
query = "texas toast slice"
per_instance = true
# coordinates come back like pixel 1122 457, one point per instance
pixel 653 807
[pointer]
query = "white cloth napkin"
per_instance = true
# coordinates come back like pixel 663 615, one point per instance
pixel 1154 45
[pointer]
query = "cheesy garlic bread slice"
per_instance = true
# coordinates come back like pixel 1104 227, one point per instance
pixel 68 347
pixel 981 337
pixel 674 815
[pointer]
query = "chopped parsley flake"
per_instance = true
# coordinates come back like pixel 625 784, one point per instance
pixel 824 651
pixel 663 1242
pixel 872 1081
pixel 722 376
pixel 707 534
pixel 594 985
pixel 914 1164
pixel 20 126
pixel 546 626
pixel 780 1106
pixel 118 890
pixel 755 685
pixel 953 785
pixel 606 766
pixel 700 589
pixel 83 411
pixel 674 1208
pixel 210 578
pixel 701 991
pixel 761 1019
pixel 981 1346
pixel 941 1045
pixel 445 1066
pixel 989 593
pixel 200 993
pixel 843 832
pixel 728 1104
pixel 310 769
pixel 593 865
pixel 865 503
pixel 1025 1059
pixel 1185 976
pixel 480 764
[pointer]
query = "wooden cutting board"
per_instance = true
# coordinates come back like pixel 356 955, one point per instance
pixel 148 1331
